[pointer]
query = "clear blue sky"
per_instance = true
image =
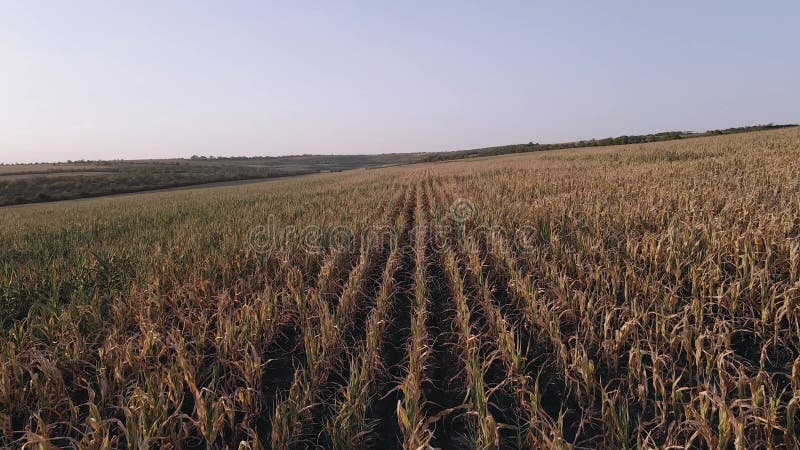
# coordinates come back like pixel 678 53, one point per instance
pixel 136 79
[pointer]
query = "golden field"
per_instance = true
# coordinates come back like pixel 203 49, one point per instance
pixel 639 296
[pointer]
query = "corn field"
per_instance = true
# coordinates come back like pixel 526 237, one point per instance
pixel 641 296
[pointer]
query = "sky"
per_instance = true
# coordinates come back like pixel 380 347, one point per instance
pixel 155 79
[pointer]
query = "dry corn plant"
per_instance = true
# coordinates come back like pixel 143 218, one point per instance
pixel 640 296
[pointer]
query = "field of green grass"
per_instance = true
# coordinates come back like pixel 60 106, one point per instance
pixel 32 183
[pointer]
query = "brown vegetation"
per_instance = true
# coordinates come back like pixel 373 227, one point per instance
pixel 642 296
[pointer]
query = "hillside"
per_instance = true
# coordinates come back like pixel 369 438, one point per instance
pixel 619 140
pixel 32 183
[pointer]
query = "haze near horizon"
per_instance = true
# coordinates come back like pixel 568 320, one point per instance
pixel 95 80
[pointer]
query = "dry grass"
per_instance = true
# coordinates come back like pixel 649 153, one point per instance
pixel 643 296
